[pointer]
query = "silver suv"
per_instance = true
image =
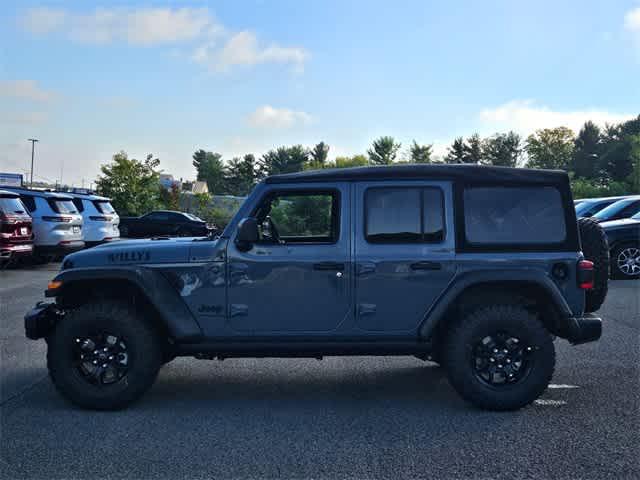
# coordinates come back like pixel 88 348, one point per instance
pixel 57 225
pixel 100 220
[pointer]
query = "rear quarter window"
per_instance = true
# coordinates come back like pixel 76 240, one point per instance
pixel 514 215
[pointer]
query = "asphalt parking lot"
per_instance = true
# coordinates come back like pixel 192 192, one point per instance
pixel 337 418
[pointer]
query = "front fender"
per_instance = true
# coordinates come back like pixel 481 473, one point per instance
pixel 172 311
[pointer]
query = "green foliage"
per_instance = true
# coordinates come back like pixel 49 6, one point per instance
pixel 472 149
pixel 240 175
pixel 502 149
pixel 456 152
pixel 319 154
pixel 383 151
pixel 283 160
pixel 550 148
pixel 210 168
pixel 634 178
pixel 302 215
pixel 170 199
pixel 354 161
pixel 132 185
pixel 587 151
pixel 420 153
pixel 583 188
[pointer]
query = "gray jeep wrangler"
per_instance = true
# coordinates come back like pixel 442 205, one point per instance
pixel 476 268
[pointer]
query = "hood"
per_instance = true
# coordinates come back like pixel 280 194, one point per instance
pixel 614 224
pixel 135 252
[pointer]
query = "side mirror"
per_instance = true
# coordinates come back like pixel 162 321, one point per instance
pixel 247 233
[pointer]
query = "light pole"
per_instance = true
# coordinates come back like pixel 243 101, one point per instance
pixel 33 145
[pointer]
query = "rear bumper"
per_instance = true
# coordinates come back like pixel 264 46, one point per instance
pixel 8 250
pixel 40 320
pixel 61 248
pixel 585 329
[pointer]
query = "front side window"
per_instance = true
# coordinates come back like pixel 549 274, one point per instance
pixel 29 202
pixel 299 217
pixel 514 215
pixel 78 203
pixel 157 217
pixel 404 215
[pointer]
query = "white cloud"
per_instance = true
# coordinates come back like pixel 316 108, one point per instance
pixel 632 25
pixel 525 116
pixel 270 117
pixel 243 49
pixel 143 26
pixel 212 45
pixel 25 89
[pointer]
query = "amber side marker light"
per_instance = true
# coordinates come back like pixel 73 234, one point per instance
pixel 54 284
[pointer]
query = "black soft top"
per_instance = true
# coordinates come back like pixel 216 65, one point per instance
pixel 464 172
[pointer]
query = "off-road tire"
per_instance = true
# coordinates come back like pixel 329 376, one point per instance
pixel 615 271
pixel 595 247
pixel 475 325
pixel 117 318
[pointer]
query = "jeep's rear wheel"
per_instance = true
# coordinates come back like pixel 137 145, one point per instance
pixel 500 357
pixel 103 356
pixel 595 248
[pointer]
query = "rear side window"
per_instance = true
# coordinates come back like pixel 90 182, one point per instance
pixel 78 203
pixel 62 206
pixel 104 206
pixel 514 215
pixel 29 202
pixel 404 215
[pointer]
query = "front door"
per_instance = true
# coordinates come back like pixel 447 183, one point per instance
pixel 404 253
pixel 297 279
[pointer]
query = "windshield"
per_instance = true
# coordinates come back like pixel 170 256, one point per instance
pixel 104 206
pixel 619 207
pixel 588 208
pixel 11 205
pixel 62 206
pixel 193 217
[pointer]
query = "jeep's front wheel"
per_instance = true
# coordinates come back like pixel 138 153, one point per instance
pixel 500 357
pixel 103 356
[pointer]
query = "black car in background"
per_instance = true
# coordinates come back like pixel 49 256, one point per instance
pixel 164 223
pixel 624 244
pixel 587 207
pixel 625 208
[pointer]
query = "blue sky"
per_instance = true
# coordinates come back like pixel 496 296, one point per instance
pixel 245 76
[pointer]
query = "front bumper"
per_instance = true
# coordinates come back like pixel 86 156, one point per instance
pixel 585 329
pixel 41 319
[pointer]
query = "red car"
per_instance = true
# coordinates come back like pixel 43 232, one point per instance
pixel 16 237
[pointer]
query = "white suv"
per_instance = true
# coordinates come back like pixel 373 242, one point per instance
pixel 100 220
pixel 57 225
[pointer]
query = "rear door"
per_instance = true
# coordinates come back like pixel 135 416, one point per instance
pixel 404 253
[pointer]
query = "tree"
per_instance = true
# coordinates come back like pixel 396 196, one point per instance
pixel 132 185
pixel 354 161
pixel 502 149
pixel 383 151
pixel 550 148
pixel 283 160
pixel 472 149
pixel 241 175
pixel 616 159
pixel 586 153
pixel 210 168
pixel 456 152
pixel 319 154
pixel 420 153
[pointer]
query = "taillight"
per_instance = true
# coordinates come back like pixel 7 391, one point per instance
pixel 57 219
pixel 585 274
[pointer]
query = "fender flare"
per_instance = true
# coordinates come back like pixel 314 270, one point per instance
pixel 173 312
pixel 465 280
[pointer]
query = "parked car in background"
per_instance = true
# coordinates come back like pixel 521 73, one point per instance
pixel 164 223
pixel 100 220
pixel 16 236
pixel 588 207
pixel 624 242
pixel 625 208
pixel 57 225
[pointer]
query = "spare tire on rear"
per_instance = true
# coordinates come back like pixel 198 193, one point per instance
pixel 595 247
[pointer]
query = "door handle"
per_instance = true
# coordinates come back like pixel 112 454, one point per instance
pixel 328 266
pixel 425 265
